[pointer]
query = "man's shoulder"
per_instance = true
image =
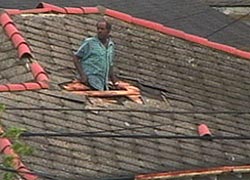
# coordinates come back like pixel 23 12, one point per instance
pixel 90 39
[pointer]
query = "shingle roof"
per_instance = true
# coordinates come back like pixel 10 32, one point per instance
pixel 175 73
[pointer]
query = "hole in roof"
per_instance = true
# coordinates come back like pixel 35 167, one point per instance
pixel 116 93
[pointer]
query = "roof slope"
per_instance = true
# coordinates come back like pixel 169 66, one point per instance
pixel 174 75
pixel 191 16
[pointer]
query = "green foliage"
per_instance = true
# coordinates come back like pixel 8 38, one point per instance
pixel 19 148
pixel 22 149
pixel 8 161
pixel 2 107
pixel 13 133
pixel 9 176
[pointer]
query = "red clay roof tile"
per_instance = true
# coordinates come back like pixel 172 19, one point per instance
pixel 119 15
pixel 70 10
pixel 38 72
pixel 36 11
pixel 5 19
pixel 10 29
pixel 32 86
pixel 17 39
pixel 51 7
pixel 13 11
pixel 23 50
pixel 90 10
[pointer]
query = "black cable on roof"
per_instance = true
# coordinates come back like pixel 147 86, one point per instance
pixel 40 174
pixel 50 176
pixel 131 136
pixel 227 25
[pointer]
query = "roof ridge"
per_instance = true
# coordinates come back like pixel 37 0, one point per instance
pixel 24 51
pixel 46 7
pixel 179 34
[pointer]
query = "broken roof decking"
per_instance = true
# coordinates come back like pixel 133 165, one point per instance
pixel 190 76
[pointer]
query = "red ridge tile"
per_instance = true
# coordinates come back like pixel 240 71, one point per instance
pixel 38 72
pixel 5 19
pixel 51 7
pixel 13 33
pixel 31 86
pixel 13 11
pixel 24 172
pixel 36 11
pixel 10 29
pixel 173 32
pixel 43 84
pixel 203 130
pixel 196 39
pixel 42 77
pixel 23 50
pixel 17 39
pixel 16 87
pixel 4 88
pixel 25 86
pixel 90 10
pixel 71 10
pixel 4 143
pixel 119 15
pixel 148 24
pixel 142 22
pixel 243 54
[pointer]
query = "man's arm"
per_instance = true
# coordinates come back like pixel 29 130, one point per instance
pixel 83 77
pixel 112 76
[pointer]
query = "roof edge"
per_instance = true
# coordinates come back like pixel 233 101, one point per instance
pixel 46 7
pixel 192 173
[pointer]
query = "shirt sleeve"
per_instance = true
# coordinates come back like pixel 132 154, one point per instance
pixel 83 49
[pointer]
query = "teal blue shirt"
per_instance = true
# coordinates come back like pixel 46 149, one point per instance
pixel 96 60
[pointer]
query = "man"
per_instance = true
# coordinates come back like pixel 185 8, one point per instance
pixel 94 58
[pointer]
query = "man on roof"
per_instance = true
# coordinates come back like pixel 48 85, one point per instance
pixel 94 59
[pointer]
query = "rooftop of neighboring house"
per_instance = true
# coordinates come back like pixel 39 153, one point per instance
pixel 185 81
pixel 191 16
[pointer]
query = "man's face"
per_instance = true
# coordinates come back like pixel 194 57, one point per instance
pixel 102 31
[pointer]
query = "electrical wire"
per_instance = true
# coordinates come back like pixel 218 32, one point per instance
pixel 40 174
pixel 50 176
pixel 227 25
pixel 131 136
